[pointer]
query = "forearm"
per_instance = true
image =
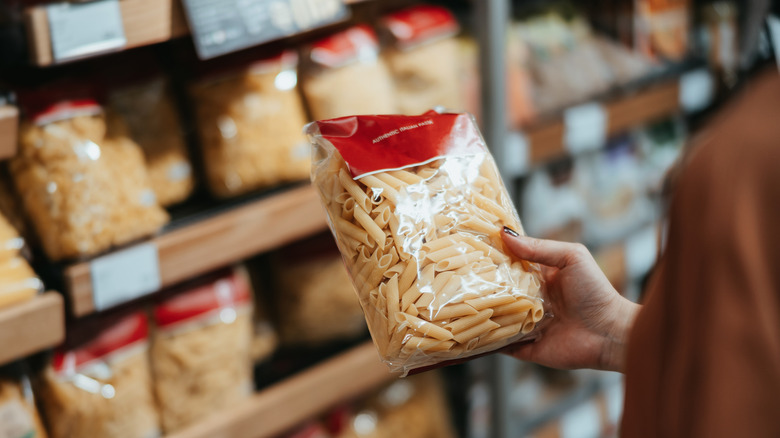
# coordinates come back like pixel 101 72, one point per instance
pixel 613 354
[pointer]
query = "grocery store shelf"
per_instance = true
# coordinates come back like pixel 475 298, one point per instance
pixel 31 326
pixel 144 22
pixel 307 394
pixel 201 246
pixel 9 124
pixel 546 140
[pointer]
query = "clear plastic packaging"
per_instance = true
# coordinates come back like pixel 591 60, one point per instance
pixel 417 206
pixel 18 416
pixel 18 282
pixel 424 59
pixel 346 76
pixel 102 388
pixel 83 190
pixel 201 349
pixel 249 122
pixel 315 301
pixel 147 115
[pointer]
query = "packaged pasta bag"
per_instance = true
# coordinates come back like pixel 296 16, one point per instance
pixel 344 75
pixel 83 190
pixel 417 206
pixel 424 58
pixel 145 112
pixel 18 416
pixel 18 282
pixel 201 348
pixel 249 121
pixel 102 387
pixel 315 302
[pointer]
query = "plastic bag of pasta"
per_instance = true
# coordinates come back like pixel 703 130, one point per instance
pixel 18 281
pixel 201 349
pixel 249 121
pixel 18 416
pixel 424 58
pixel 84 191
pixel 102 388
pixel 417 206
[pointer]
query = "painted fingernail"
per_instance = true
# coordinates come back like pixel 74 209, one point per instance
pixel 511 232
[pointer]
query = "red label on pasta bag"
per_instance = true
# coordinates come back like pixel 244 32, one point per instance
pixel 124 333
pixel 345 47
pixel 66 110
pixel 371 144
pixel 226 292
pixel 418 24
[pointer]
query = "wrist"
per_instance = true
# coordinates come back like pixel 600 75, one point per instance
pixel 622 318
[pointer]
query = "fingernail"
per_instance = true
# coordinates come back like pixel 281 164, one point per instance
pixel 511 232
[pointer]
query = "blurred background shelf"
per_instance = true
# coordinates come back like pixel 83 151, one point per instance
pixel 286 404
pixel 31 326
pixel 144 21
pixel 9 123
pixel 212 242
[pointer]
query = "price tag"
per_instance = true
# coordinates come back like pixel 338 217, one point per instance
pixel 584 421
pixel 697 89
pixel 125 275
pixel 585 128
pixel 224 26
pixel 81 29
pixel 518 156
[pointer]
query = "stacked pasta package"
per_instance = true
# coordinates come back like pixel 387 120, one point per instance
pixel 18 282
pixel 102 388
pixel 315 302
pixel 417 206
pixel 201 349
pixel 145 113
pixel 345 75
pixel 84 190
pixel 249 121
pixel 18 416
pixel 424 59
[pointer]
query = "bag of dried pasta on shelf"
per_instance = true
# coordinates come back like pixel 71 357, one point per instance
pixel 345 75
pixel 417 206
pixel 18 416
pixel 83 190
pixel 249 121
pixel 18 282
pixel 424 59
pixel 145 112
pixel 315 302
pixel 102 387
pixel 200 352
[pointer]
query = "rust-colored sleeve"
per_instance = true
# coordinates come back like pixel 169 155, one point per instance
pixel 704 354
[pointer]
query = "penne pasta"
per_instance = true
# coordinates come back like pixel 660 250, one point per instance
pixel 466 322
pixel 360 197
pixel 428 329
pixel 370 226
pixel 490 301
pixel 475 331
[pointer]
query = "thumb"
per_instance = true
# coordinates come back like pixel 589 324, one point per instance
pixel 546 252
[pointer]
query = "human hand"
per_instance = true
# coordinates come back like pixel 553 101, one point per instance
pixel 591 320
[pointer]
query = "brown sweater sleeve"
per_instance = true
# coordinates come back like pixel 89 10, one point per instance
pixel 704 354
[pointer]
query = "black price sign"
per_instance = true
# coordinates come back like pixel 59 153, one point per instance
pixel 224 26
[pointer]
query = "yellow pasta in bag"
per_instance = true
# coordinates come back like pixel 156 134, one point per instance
pixel 417 206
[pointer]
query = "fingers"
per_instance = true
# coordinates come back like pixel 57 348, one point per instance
pixel 547 252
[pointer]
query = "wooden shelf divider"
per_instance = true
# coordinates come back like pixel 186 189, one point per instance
pixel 31 326
pixel 9 129
pixel 298 398
pixel 217 241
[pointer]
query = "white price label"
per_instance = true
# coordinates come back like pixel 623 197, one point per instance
pixel 81 29
pixel 584 421
pixel 697 89
pixel 125 275
pixel 518 154
pixel 585 127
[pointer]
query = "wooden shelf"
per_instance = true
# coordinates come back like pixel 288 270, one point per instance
pixel 654 102
pixel 307 394
pixel 217 241
pixel 144 21
pixel 31 326
pixel 9 127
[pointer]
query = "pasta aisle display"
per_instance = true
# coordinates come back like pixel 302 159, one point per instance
pixel 102 388
pixel 417 207
pixel 201 349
